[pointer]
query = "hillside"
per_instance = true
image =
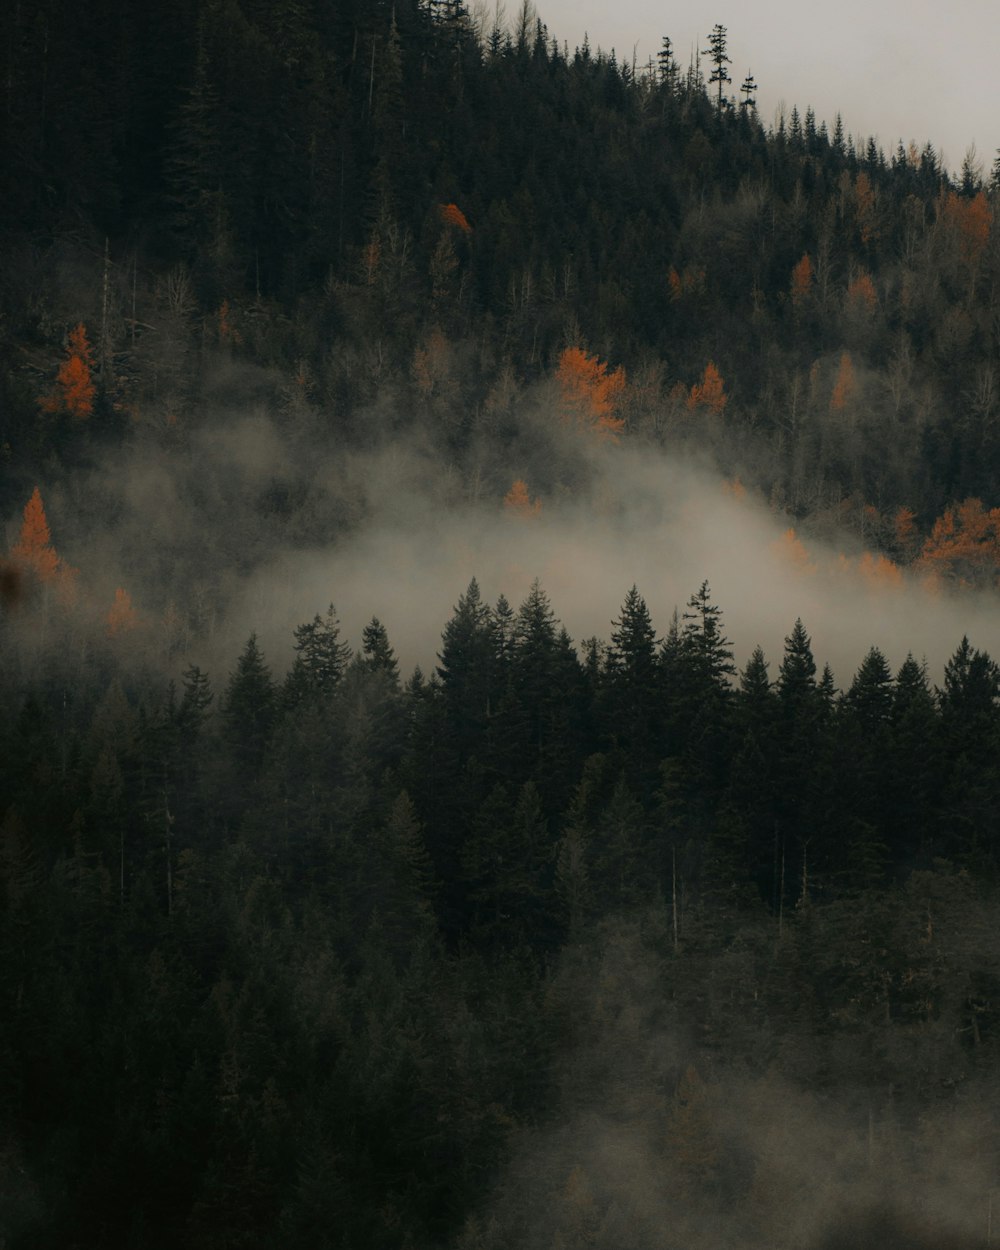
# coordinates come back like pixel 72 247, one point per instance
pixel 344 900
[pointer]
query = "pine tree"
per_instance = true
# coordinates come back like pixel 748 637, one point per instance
pixel 379 656
pixel 870 697
pixel 320 661
pixel 249 710
pixel 717 51
pixel 633 689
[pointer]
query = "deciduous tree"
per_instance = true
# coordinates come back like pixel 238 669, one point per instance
pixel 590 392
pixel 75 390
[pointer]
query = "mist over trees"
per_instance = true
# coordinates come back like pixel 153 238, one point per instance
pixel 607 941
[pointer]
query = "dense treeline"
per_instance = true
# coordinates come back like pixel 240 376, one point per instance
pixel 608 944
pixel 402 207
pixel 308 957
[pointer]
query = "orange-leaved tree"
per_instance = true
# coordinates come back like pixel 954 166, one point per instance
pixel 971 219
pixel 74 390
pixel 33 554
pixel 879 572
pixel 790 549
pixel 861 296
pixel 518 503
pixel 866 209
pixel 590 392
pixel 844 386
pixel 710 391
pixel 122 617
pixel 452 215
pixel 33 550
pixel 802 280
pixel 964 544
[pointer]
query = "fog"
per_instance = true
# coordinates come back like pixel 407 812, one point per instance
pixel 246 523
pixel 666 1138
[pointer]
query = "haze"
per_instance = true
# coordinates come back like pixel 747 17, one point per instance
pixel 897 70
pixel 176 531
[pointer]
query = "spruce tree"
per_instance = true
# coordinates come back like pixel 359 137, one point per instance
pixel 717 51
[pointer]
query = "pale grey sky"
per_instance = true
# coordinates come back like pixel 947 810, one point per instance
pixel 898 69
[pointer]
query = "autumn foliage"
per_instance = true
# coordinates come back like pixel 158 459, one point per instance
pixel 33 553
pixel 709 392
pixel 879 572
pixel 34 550
pixel 590 391
pixel 122 617
pixel 964 544
pixel 452 215
pixel 971 219
pixel 844 386
pixel 861 296
pixel 518 503
pixel 866 205
pixel 690 282
pixel 791 550
pixel 74 391
pixel 802 280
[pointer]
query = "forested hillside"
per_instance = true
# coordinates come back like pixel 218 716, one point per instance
pixel 551 941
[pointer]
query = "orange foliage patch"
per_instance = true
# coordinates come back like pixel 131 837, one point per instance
pixel 880 573
pixel 844 387
pixel 904 526
pixel 791 549
pixel 866 203
pixel 690 282
pixel 34 554
pixel 709 392
pixel 590 391
pixel 34 550
pixel 227 331
pixel 964 544
pixel 431 363
pixel 972 219
pixel 370 258
pixel 735 488
pixel 452 215
pixel 518 503
pixel 802 280
pixel 861 296
pixel 74 393
pixel 121 618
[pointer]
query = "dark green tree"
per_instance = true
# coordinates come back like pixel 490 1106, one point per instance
pixel 320 662
pixel 716 50
pixel 248 711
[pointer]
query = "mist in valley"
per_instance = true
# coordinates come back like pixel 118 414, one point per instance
pixel 248 522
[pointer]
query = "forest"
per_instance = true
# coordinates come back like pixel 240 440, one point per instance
pixel 449 929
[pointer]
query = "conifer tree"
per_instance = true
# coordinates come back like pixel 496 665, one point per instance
pixel 320 660
pixel 717 51
pixel 378 654
pixel 249 709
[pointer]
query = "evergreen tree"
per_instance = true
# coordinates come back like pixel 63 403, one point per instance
pixel 320 661
pixel 634 696
pixel 248 710
pixel 717 51
pixel 379 656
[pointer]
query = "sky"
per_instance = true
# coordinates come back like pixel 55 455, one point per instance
pixel 898 69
